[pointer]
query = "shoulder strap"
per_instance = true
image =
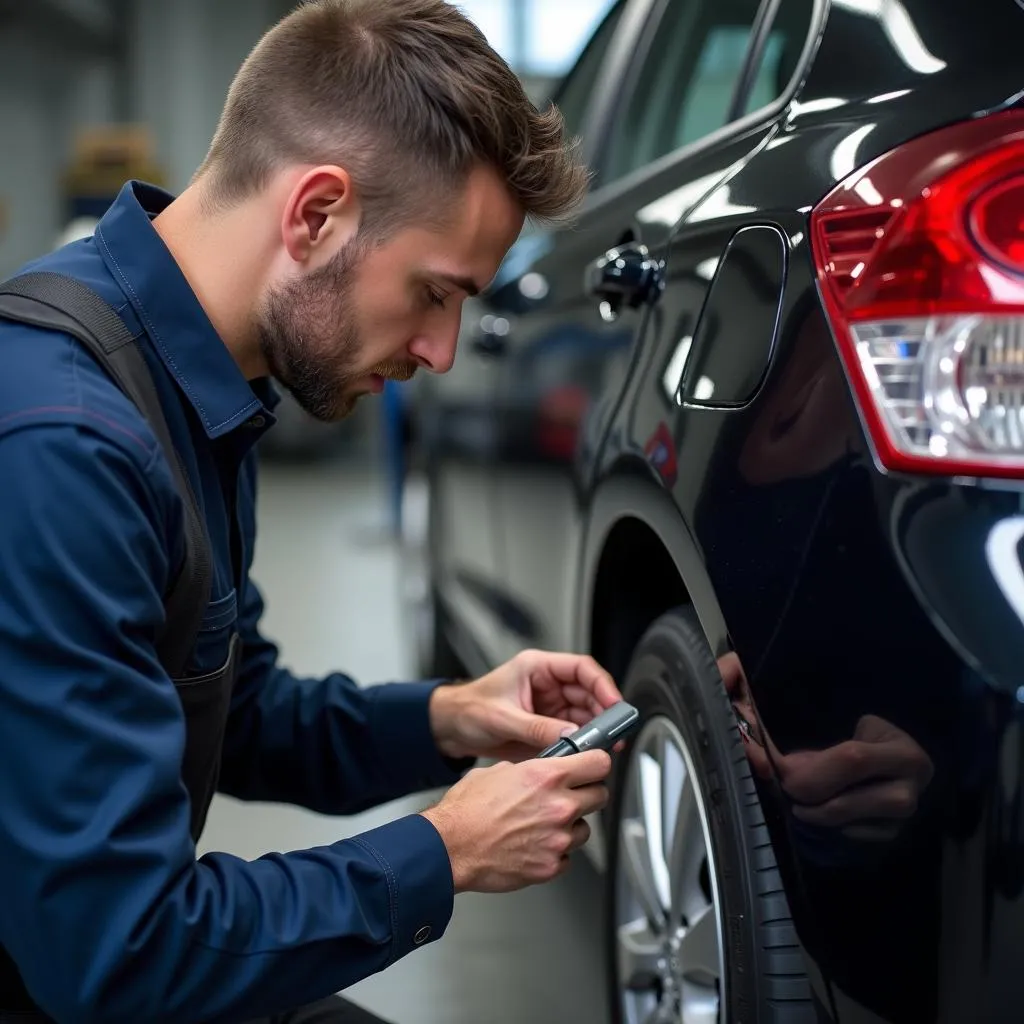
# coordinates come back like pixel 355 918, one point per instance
pixel 62 303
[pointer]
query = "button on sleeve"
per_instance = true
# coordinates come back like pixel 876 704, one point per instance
pixel 419 874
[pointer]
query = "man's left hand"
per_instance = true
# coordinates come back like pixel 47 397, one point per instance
pixel 517 710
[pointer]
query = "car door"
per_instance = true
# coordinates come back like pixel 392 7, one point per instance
pixel 724 263
pixel 570 349
pixel 469 424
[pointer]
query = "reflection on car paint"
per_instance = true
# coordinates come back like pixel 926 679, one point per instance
pixel 661 452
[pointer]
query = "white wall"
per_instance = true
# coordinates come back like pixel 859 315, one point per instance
pixel 185 54
pixel 44 94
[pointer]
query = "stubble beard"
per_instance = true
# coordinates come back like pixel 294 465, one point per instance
pixel 310 341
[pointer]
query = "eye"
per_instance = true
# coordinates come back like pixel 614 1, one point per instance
pixel 435 298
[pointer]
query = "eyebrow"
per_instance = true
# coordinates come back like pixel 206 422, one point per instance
pixel 467 284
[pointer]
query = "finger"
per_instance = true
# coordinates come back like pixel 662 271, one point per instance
pixel 757 756
pixel 585 769
pixel 591 799
pixel 579 697
pixel 815 776
pixel 873 729
pixel 872 833
pixel 534 731
pixel 885 800
pixel 516 753
pixel 581 669
pixel 731 670
pixel 580 834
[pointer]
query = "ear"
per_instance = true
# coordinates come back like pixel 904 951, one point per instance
pixel 321 213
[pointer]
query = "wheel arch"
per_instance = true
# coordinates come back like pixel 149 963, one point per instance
pixel 622 591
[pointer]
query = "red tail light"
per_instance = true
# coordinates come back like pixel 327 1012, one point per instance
pixel 920 258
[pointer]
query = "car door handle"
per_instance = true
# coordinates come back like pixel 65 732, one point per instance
pixel 624 276
pixel 491 336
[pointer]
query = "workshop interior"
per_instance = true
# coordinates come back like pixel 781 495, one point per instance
pixel 749 431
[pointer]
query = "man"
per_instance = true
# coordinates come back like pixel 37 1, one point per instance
pixel 374 163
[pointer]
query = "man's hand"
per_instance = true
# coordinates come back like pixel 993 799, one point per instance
pixel 522 707
pixel 512 825
pixel 866 786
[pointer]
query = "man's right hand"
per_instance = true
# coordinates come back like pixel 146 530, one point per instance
pixel 513 825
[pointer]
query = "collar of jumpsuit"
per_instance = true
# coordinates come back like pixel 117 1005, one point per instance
pixel 108 913
pixel 172 317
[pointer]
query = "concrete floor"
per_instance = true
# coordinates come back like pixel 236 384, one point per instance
pixel 331 585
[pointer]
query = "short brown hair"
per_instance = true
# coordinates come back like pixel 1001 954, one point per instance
pixel 405 94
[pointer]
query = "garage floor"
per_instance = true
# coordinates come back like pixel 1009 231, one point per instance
pixel 331 585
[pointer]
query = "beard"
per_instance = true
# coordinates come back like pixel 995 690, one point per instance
pixel 311 343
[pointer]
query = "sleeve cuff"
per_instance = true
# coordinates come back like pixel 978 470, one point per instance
pixel 400 720
pixel 420 884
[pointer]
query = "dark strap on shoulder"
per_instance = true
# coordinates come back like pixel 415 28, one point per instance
pixel 62 303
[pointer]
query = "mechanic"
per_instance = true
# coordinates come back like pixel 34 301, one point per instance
pixel 373 165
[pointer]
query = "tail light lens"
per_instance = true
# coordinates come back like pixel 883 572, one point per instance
pixel 920 258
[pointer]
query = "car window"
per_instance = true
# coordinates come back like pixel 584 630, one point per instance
pixel 577 88
pixel 781 55
pixel 686 84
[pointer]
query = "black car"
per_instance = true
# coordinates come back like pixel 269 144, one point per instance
pixel 751 432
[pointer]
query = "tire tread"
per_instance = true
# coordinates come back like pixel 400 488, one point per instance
pixel 784 991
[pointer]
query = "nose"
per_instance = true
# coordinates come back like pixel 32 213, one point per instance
pixel 435 352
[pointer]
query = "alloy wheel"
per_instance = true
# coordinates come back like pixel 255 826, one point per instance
pixel 667 910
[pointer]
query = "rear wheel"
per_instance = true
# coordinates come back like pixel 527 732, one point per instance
pixel 699 928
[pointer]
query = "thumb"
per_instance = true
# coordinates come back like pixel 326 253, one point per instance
pixel 537 730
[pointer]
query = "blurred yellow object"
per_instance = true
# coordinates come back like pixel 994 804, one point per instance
pixel 106 156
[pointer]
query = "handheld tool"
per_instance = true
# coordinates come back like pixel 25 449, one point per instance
pixel 601 733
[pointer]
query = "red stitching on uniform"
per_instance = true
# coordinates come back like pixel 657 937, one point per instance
pixel 66 409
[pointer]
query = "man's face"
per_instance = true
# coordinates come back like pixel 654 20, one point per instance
pixel 372 314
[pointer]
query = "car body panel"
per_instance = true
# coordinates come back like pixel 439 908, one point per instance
pixel 735 335
pixel 850 596
pixel 887 922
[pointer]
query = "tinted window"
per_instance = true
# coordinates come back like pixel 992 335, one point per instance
pixel 781 54
pixel 686 82
pixel 574 94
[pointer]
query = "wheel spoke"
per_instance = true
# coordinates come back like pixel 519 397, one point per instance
pixel 673 782
pixel 639 869
pixel 700 1004
pixel 666 913
pixel 653 774
pixel 648 800
pixel 639 950
pixel 698 951
pixel 686 854
pixel 663 1012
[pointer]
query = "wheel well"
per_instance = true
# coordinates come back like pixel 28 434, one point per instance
pixel 636 583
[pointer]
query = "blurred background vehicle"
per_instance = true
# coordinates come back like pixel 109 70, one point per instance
pixel 750 433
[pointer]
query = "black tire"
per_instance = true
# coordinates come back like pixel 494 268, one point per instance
pixel 673 678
